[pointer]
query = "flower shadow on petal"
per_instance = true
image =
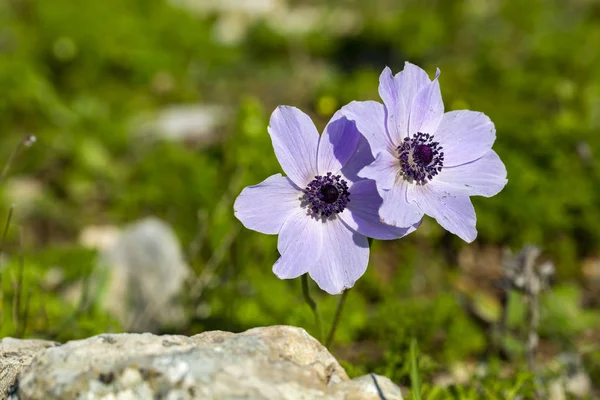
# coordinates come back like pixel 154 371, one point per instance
pixel 362 157
pixel 364 213
pixel 359 240
pixel 337 144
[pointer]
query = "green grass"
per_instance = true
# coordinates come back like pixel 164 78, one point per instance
pixel 78 77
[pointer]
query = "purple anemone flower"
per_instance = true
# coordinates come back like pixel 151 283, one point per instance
pixel 427 161
pixel 321 210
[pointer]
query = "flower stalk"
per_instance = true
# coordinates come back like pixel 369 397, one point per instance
pixel 336 318
pixel 313 305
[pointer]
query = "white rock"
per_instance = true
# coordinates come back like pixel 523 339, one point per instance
pixel 278 362
pixel 305 20
pixel 235 17
pixel 98 237
pixel 146 275
pixel 253 8
pixel 579 385
pixel 16 354
pixel 196 124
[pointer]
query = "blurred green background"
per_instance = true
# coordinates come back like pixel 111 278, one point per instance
pixel 108 89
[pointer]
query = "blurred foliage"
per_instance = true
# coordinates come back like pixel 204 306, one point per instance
pixel 80 77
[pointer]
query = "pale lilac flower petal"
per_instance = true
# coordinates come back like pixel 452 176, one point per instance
pixel 265 207
pixel 362 213
pixel 485 176
pixel 323 174
pixel 410 81
pixel 427 109
pixel 398 94
pixel 369 117
pixel 295 140
pixel 337 144
pixel 396 110
pixel 300 244
pixel 454 212
pixel 361 158
pixel 436 160
pixel 396 210
pixel 465 136
pixel 383 170
pixel 290 267
pixel 343 260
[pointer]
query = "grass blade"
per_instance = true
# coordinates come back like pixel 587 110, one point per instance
pixel 415 381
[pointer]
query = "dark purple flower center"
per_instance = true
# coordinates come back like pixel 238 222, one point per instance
pixel 420 158
pixel 327 195
pixel 422 154
pixel 330 193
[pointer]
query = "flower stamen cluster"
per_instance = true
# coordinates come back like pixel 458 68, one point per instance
pixel 420 158
pixel 327 195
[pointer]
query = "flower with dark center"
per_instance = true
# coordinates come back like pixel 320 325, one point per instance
pixel 327 195
pixel 322 211
pixel 427 161
pixel 420 157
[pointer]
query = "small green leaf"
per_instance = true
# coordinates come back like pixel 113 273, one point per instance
pixel 414 372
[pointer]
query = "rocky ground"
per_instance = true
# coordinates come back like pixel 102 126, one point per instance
pixel 277 362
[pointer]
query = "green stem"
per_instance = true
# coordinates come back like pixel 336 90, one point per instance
pixel 336 318
pixel 27 141
pixel 313 306
pixel 6 226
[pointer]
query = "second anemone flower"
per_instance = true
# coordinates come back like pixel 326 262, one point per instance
pixel 321 210
pixel 427 161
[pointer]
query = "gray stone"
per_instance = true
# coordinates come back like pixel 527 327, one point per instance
pixel 195 124
pixel 367 387
pixel 575 378
pixel 207 7
pixel 234 18
pixel 16 354
pixel 278 362
pixel 146 273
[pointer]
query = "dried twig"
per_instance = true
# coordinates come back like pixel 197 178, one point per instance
pixel 379 391
pixel 521 275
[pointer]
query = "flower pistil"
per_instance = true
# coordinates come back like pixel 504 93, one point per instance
pixel 420 158
pixel 327 195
